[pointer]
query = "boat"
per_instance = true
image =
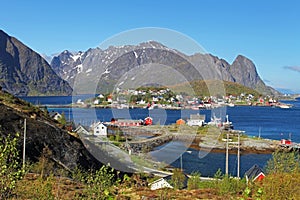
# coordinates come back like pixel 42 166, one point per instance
pixel 230 105
pixel 227 124
pixel 284 106
pixel 214 121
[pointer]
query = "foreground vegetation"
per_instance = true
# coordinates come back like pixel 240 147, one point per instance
pixel 44 180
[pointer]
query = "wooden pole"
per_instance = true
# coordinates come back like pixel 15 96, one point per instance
pixel 238 157
pixel 226 164
pixel 24 142
pixel 181 162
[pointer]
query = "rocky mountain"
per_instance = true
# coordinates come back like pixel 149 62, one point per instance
pixel 42 131
pixel 98 70
pixel 24 72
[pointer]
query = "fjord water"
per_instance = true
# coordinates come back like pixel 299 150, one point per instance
pixel 268 122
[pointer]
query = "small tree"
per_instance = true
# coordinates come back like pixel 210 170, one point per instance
pixel 10 168
pixel 45 165
pixel 282 181
pixel 62 120
pixel 194 181
pixel 281 162
pixel 178 179
pixel 99 184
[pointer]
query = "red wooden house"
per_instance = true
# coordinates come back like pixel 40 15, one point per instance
pixel 255 173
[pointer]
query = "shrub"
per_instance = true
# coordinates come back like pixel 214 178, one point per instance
pixel 99 184
pixel 281 186
pixel 45 165
pixel 194 181
pixel 178 179
pixel 10 168
pixel 282 162
pixel 282 180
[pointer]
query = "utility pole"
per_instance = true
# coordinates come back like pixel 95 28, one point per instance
pixel 226 164
pixel 181 162
pixel 24 142
pixel 238 157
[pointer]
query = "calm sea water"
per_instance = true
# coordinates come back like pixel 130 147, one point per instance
pixel 272 123
pixel 56 100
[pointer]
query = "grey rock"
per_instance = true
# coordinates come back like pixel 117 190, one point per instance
pixel 24 72
pixel 98 70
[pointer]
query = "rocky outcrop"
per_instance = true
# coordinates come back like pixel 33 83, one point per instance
pixel 106 68
pixel 244 72
pixel 43 132
pixel 24 72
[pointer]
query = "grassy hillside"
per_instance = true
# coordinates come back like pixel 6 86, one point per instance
pixel 213 88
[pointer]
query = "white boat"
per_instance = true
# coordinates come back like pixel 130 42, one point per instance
pixel 230 104
pixel 214 121
pixel 284 106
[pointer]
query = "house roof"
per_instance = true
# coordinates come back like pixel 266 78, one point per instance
pixel 197 117
pixel 96 124
pixel 81 129
pixel 169 180
pixel 53 114
pixel 253 172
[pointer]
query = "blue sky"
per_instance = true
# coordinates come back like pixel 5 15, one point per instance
pixel 267 32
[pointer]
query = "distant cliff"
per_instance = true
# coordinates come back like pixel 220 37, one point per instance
pixel 105 67
pixel 24 72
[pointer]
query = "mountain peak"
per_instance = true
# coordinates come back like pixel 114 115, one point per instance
pixel 3 33
pixel 244 72
pixel 241 58
pixel 111 64
pixel 24 72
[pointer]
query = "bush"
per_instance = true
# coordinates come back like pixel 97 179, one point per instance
pixel 226 185
pixel 194 181
pixel 45 166
pixel 282 162
pixel 281 186
pixel 10 168
pixel 178 179
pixel 41 188
pixel 231 186
pixel 282 180
pixel 99 184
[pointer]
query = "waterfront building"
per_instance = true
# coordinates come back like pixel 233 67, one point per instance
pixel 166 182
pixel 255 173
pixel 98 129
pixel 196 120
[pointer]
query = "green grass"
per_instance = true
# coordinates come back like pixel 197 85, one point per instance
pixel 215 88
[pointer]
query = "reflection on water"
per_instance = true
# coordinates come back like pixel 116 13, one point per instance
pixel 208 165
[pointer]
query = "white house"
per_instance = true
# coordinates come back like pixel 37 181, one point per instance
pixel 141 102
pixel 166 182
pixel 160 183
pixel 196 120
pixel 55 115
pixel 97 101
pixel 81 130
pixel 101 96
pixel 99 129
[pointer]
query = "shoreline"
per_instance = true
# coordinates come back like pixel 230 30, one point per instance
pixel 244 149
pixel 139 107
pixel 233 150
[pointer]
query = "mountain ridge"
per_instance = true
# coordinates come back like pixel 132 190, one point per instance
pixel 106 67
pixel 24 72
